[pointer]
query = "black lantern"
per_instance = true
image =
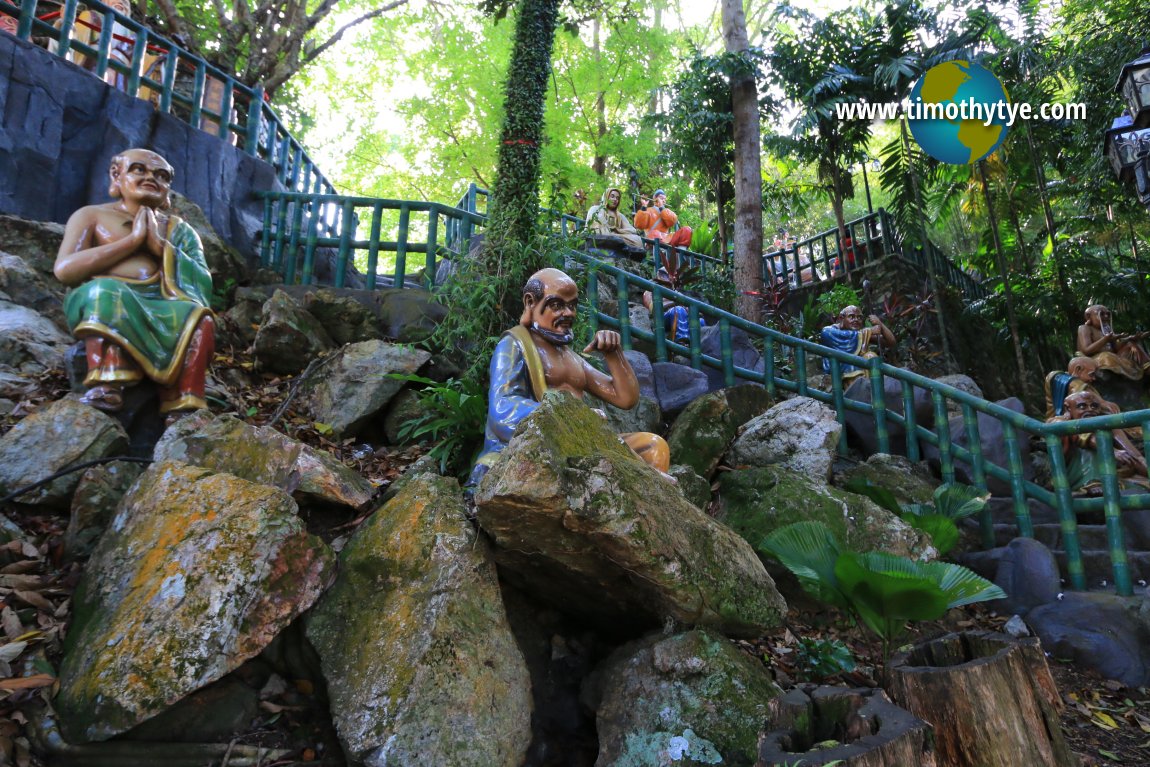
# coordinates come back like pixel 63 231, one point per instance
pixel 1142 180
pixel 1124 146
pixel 1134 85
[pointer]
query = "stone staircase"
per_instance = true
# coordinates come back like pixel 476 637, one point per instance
pixel 1092 541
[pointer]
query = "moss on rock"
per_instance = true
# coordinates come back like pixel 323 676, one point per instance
pixel 757 502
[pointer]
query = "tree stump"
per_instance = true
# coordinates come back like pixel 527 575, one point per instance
pixel 836 725
pixel 990 698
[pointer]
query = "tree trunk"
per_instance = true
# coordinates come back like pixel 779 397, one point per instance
pixel 599 164
pixel 870 731
pixel 990 698
pixel 837 193
pixel 748 172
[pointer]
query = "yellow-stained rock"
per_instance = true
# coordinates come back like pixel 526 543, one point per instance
pixel 196 573
pixel 420 662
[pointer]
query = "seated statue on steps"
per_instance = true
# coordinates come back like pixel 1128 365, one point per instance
pixel 140 290
pixel 657 221
pixel 849 335
pixel 1083 465
pixel 1080 375
pixel 1121 354
pixel 535 356
pixel 611 228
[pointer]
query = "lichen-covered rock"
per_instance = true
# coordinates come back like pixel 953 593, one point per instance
pixel 30 342
pixel 409 315
pixel 37 242
pixel 420 662
pixel 63 434
pixel 801 434
pixel 99 492
pixel 580 521
pixel 910 483
pixel 702 433
pixel 289 336
pixel 264 455
pixel 756 502
pixel 695 694
pixel 353 387
pixel 196 573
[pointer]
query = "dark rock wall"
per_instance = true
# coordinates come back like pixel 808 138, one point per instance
pixel 60 126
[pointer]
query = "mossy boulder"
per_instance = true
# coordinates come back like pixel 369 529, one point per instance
pixel 196 573
pixel 289 336
pixel 263 455
pixel 910 483
pixel 704 430
pixel 693 698
pixel 757 502
pixel 63 434
pixel 420 662
pixel 581 522
pixel 695 489
pixel 344 318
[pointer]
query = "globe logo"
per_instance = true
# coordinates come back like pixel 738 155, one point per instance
pixel 954 112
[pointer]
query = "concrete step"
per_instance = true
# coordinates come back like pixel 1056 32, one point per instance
pixel 1100 574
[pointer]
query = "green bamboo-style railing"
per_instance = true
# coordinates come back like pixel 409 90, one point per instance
pixel 362 231
pixel 177 82
pixel 801 354
pixel 292 235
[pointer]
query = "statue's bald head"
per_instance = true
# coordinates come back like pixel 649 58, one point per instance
pixel 149 169
pixel 1083 368
pixel 1084 404
pixel 850 318
pixel 550 305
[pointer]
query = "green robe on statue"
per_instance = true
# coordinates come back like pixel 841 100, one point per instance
pixel 153 319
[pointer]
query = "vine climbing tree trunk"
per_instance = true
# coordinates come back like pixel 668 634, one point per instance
pixel 748 171
pixel 515 198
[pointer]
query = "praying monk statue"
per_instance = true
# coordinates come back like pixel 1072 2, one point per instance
pixel 140 290
pixel 849 335
pixel 535 356
pixel 1121 354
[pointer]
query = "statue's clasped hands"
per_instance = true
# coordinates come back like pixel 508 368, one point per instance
pixel 146 231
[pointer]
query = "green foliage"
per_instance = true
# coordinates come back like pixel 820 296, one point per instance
pixel 951 502
pixel 820 658
pixel 810 320
pixel 881 590
pixel 454 416
pixel 833 301
pixel 705 239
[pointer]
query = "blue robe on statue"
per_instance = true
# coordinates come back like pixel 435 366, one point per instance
pixel 850 341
